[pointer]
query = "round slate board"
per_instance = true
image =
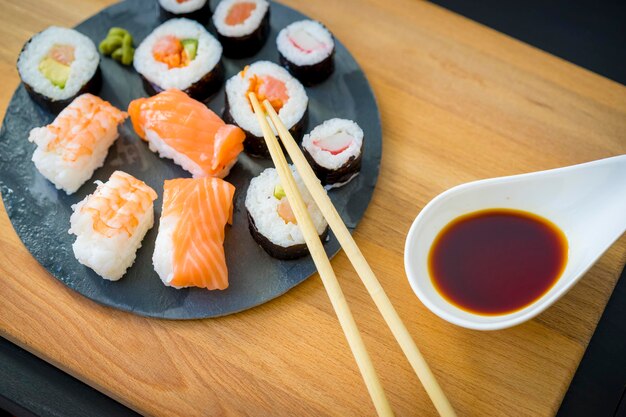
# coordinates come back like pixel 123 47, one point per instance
pixel 40 213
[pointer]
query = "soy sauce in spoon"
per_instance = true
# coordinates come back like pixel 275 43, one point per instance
pixel 497 261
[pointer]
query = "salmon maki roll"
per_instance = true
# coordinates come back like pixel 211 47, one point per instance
pixel 189 248
pixel 185 130
pixel 180 54
pixel 272 82
pixel 111 223
pixel 242 26
pixel 76 143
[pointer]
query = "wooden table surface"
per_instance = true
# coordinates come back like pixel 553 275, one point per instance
pixel 459 102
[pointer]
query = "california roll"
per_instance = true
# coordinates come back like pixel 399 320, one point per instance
pixel 271 220
pixel 57 65
pixel 306 48
pixel 269 81
pixel 334 150
pixel 180 54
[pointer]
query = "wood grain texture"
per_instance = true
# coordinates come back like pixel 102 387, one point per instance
pixel 459 102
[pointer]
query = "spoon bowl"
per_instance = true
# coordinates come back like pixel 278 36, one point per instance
pixel 587 202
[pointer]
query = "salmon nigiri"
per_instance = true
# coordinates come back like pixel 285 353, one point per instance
pixel 189 248
pixel 185 130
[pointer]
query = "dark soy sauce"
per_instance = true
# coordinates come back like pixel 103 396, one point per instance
pixel 497 261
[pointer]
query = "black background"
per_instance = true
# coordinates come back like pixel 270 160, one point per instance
pixel 588 33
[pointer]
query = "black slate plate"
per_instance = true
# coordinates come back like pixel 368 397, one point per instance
pixel 40 214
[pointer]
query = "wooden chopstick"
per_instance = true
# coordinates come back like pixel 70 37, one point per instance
pixel 322 263
pixel 362 268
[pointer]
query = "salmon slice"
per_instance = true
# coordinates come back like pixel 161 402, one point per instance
pixel 239 13
pixel 63 54
pixel 200 209
pixel 270 88
pixel 183 129
pixel 79 127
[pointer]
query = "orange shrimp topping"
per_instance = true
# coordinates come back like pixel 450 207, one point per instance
pixel 117 205
pixel 169 50
pixel 270 88
pixel 78 128
pixel 239 13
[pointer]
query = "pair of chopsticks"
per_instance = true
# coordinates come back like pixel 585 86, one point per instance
pixel 357 259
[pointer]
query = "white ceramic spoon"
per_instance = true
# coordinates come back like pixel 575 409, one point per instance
pixel 587 202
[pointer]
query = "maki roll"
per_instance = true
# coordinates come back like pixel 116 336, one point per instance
pixel 306 48
pixel 198 10
pixel 180 54
pixel 111 223
pixel 76 143
pixel 271 220
pixel 269 81
pixel 242 26
pixel 57 65
pixel 334 149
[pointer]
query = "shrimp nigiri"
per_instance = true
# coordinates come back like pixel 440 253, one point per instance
pixel 111 223
pixel 76 143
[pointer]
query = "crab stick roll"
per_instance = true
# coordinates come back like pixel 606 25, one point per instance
pixel 269 81
pixel 189 248
pixel 306 48
pixel 243 26
pixel 198 10
pixel 57 65
pixel 111 223
pixel 272 222
pixel 185 130
pixel 76 143
pixel 180 54
pixel 334 149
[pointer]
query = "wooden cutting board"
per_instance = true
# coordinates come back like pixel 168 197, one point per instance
pixel 459 102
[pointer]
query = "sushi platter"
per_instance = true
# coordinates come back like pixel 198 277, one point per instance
pixel 48 196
